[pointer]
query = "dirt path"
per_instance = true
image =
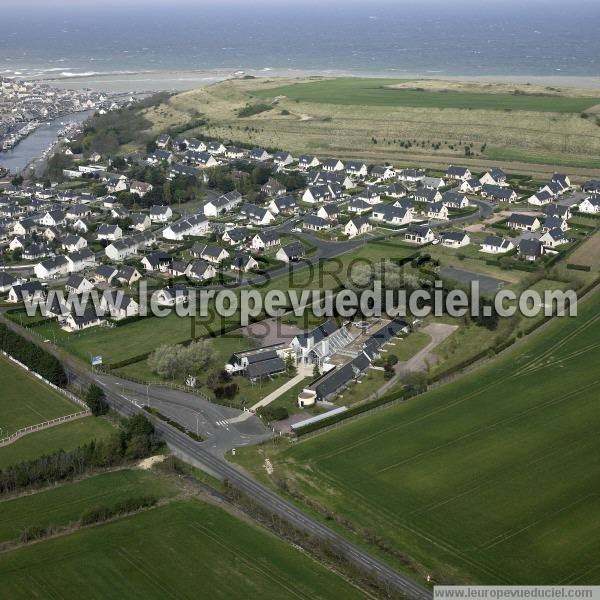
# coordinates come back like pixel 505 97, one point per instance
pixel 438 332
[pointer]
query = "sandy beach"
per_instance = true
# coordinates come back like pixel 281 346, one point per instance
pixel 173 80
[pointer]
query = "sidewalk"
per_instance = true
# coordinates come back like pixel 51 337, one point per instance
pixel 303 372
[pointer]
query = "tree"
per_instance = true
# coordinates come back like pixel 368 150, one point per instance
pixel 290 366
pixel 96 400
pixel 177 362
pixel 316 370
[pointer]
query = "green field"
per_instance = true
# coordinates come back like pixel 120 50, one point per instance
pixel 182 550
pixel 528 129
pixel 63 505
pixel 66 436
pixel 376 92
pixel 25 400
pixel 492 478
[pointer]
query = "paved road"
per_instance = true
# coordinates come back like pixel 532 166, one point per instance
pixel 199 454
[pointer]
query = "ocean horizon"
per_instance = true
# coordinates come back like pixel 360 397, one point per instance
pixel 71 41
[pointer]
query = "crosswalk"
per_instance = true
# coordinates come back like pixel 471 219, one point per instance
pixel 223 423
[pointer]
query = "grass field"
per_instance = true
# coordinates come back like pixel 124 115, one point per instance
pixel 60 506
pixel 62 437
pixel 182 550
pixel 492 478
pixel 380 92
pixel 26 401
pixel 519 127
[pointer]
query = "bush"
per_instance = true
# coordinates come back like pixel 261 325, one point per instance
pixel 273 413
pixel 98 514
pixel 253 109
pixel 96 400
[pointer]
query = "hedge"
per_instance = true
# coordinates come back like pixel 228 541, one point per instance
pixel 575 267
pixel 33 356
pixel 351 412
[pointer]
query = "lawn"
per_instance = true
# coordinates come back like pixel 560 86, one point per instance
pixel 66 436
pixel 60 506
pixel 25 400
pixel 492 478
pixel 377 92
pixel 182 550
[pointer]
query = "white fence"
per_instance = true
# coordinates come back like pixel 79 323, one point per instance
pixel 46 424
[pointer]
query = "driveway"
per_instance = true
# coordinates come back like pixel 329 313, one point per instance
pixel 423 359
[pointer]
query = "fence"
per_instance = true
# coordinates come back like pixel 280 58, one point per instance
pixel 45 425
pixel 31 428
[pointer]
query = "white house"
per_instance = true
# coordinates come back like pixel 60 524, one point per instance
pixel 109 232
pixel 437 210
pixel 52 218
pixel 264 240
pixel 78 284
pixel 554 237
pixel 222 204
pixel 356 168
pixel 257 214
pixel 195 225
pixel 119 305
pixel 121 249
pixel 590 205
pixel 394 215
pixel 140 188
pixel 72 243
pixel 494 244
pixel 494 176
pixel 419 234
pixel 307 162
pixel 200 270
pixel 216 148
pixel 357 226
pixel 209 252
pixel 160 214
pixel 283 159
pixel 290 252
pixel 52 268
pixel 458 173
pixel 332 165
pixel 383 172
pixel 455 239
pixel 523 222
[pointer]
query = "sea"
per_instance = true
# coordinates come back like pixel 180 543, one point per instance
pixel 154 40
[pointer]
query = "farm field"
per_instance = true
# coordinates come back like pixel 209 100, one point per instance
pixel 523 129
pixel 62 505
pixel 393 92
pixel 492 478
pixel 27 401
pixel 66 436
pixel 186 549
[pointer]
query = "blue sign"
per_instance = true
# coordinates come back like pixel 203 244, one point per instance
pixel 96 360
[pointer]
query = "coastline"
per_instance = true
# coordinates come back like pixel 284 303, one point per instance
pixel 180 80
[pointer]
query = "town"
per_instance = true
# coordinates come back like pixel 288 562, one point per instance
pixel 25 105
pixel 196 212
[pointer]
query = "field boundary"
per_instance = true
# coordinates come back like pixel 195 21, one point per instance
pixel 40 426
pixel 13 437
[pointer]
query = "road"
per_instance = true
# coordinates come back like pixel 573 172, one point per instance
pixel 199 454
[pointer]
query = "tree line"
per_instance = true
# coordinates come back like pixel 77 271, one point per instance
pixel 135 439
pixel 33 356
